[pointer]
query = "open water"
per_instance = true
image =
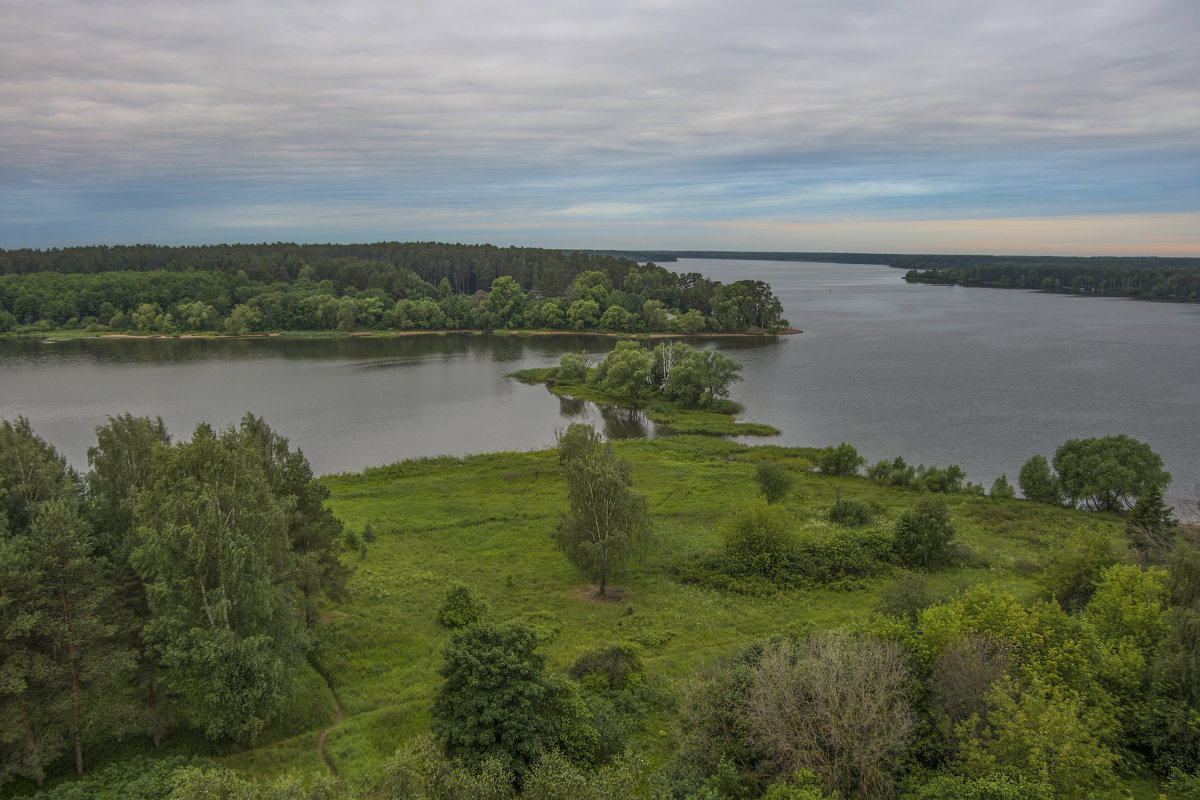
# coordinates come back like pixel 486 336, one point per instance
pixel 983 378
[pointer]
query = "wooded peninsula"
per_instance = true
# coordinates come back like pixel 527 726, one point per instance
pixel 388 286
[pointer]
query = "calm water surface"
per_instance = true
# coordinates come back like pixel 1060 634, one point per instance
pixel 978 377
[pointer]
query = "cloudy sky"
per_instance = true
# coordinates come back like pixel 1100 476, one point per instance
pixel 1023 126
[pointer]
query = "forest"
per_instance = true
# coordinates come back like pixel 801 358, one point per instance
pixel 243 289
pixel 1165 279
pixel 687 618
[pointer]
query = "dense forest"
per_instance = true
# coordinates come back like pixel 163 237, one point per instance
pixel 785 623
pixel 243 289
pixel 1165 279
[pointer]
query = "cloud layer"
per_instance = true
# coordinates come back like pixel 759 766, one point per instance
pixel 139 121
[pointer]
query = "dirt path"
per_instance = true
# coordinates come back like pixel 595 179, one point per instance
pixel 337 720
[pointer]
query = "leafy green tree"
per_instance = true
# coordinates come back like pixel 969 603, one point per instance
pixel 593 286
pixel 608 526
pixel 702 378
pixel 313 531
pixel 572 368
pixel 243 319
pixel 495 700
pixel 1001 489
pixel 1038 483
pixel 507 301
pixel 774 480
pixel 583 314
pixel 218 563
pixel 1044 731
pixel 122 465
pixel 841 460
pixel 33 703
pixel 70 596
pixel 420 771
pixel 1108 473
pixel 625 371
pixel 1072 571
pixel 924 533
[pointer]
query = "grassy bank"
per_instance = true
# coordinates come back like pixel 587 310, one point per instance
pixel 486 521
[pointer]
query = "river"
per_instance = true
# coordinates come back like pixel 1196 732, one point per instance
pixel 983 378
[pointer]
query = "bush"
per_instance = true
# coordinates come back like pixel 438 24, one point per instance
pixel 1002 489
pixel 841 460
pixel 851 513
pixel 619 666
pixel 760 541
pixel 1038 483
pixel 923 534
pixel 892 473
pixel 460 607
pixel 774 480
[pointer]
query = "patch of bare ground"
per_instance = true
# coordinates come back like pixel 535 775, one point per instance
pixel 612 594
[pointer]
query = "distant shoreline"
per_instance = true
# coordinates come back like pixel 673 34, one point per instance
pixel 388 334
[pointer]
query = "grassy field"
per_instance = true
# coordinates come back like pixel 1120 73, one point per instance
pixel 486 521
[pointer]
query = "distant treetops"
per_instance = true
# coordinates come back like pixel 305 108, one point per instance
pixel 245 289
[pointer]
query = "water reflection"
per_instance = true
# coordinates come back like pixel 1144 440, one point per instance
pixel 572 407
pixel 625 423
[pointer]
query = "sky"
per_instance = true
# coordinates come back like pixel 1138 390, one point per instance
pixel 1023 126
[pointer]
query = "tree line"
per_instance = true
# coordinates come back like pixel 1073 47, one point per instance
pixel 170 589
pixel 389 286
pixel 1141 281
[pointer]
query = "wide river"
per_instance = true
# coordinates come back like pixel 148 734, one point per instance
pixel 983 378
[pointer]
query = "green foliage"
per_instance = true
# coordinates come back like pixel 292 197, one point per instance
pixel 1001 489
pixel 625 371
pixel 1072 571
pixel 1038 483
pixel 197 783
pixel 460 607
pixel 608 526
pixel 1150 526
pixel 572 368
pixel 1041 730
pixel 496 701
pixel 760 540
pixel 774 480
pixel 217 560
pixel 1108 473
pixel 841 460
pixel 924 533
pixel 618 667
pixel 556 778
pixel 419 771
pixel 943 481
pixel 851 513
pixel 987 786
pixel 893 473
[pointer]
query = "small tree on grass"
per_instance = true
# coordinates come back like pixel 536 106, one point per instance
pixel 774 480
pixel 841 460
pixel 923 534
pixel 1038 483
pixel 496 701
pixel 608 525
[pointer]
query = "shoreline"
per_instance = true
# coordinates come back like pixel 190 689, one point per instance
pixel 754 333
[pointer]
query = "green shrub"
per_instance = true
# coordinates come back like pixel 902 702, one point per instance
pixel 760 541
pixel 460 607
pixel 851 513
pixel 923 534
pixel 841 460
pixel 774 480
pixel 619 666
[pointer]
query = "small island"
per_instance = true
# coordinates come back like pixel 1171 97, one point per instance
pixel 677 386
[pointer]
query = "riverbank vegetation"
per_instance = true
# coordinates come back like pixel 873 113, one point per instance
pixel 241 289
pixel 1165 279
pixel 683 389
pixel 850 638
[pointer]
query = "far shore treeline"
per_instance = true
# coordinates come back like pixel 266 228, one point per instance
pixel 243 289
pixel 1166 279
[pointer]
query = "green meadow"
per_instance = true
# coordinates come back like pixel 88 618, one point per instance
pixel 486 521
